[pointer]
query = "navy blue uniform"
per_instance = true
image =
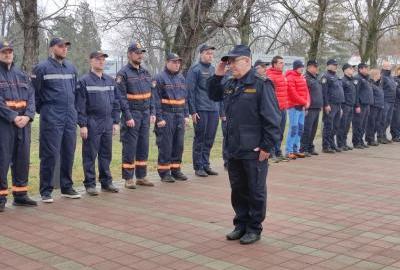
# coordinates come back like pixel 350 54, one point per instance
pixel 206 127
pixel 135 85
pixel 16 99
pixel 55 84
pixel 97 103
pixel 253 121
pixel 334 97
pixel 172 107
pixel 376 112
pixel 349 89
pixel 395 124
pixel 312 116
pixel 389 86
pixel 364 98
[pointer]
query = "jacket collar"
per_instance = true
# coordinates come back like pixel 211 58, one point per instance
pixel 4 66
pixel 386 73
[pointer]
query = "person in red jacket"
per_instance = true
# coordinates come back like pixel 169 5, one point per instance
pixel 275 74
pixel 298 102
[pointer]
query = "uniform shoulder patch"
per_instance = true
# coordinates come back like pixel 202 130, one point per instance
pixel 355 82
pixel 250 91
pixel 118 79
pixel 324 80
pixel 154 83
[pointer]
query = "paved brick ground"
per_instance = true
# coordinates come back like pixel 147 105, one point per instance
pixel 329 212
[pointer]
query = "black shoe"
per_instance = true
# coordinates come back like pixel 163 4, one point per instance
pixel 345 148
pixel 396 139
pixel 373 143
pixel 328 151
pixel 210 171
pixel 349 147
pixel 338 149
pixel 382 141
pixel 2 206
pixel 110 188
pixel 314 153
pixel 358 146
pixel 168 179
pixel 92 191
pixel 201 173
pixel 24 201
pixel 47 199
pixel 236 234
pixel 249 238
pixel 365 146
pixel 179 176
pixel 70 194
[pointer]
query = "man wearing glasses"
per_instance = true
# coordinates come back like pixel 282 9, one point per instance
pixel 253 129
pixel 54 81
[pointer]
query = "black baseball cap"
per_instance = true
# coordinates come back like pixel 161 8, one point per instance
pixel 332 62
pixel 136 47
pixel 173 57
pixel 98 54
pixel 362 65
pixel 238 50
pixel 58 41
pixel 206 47
pixel 312 63
pixel 260 62
pixel 346 66
pixel 5 45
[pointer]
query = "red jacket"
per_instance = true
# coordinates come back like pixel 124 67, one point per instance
pixel 280 85
pixel 298 94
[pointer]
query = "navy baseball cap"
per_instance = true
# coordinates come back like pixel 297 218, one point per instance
pixel 5 45
pixel 58 41
pixel 298 64
pixel 136 47
pixel 346 66
pixel 238 50
pixel 98 54
pixel 173 57
pixel 332 62
pixel 260 62
pixel 312 63
pixel 206 47
pixel 362 65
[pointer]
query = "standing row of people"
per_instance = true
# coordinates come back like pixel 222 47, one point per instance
pixel 101 105
pixel 367 102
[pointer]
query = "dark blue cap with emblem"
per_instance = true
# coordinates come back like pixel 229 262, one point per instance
pixel 173 57
pixel 58 41
pixel 332 62
pixel 206 47
pixel 260 62
pixel 362 65
pixel 97 54
pixel 136 47
pixel 346 66
pixel 238 50
pixel 5 45
pixel 297 64
pixel 312 63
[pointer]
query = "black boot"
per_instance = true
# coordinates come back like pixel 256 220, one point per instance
pixel 2 205
pixel 24 200
pixel 236 234
pixel 179 176
pixel 210 171
pixel 249 238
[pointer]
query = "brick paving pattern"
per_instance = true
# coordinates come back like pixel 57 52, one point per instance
pixel 328 212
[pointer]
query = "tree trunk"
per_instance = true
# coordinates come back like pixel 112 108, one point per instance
pixel 245 24
pixel 31 35
pixel 190 31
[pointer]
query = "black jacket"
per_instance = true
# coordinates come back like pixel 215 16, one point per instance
pixel 389 86
pixel 315 90
pixel 364 92
pixel 349 89
pixel 332 88
pixel 252 111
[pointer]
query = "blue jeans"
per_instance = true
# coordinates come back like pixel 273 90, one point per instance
pixel 296 127
pixel 277 149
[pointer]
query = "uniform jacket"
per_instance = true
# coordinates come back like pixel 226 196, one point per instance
pixel 252 111
pixel 315 91
pixel 332 88
pixel 17 96
pixel 364 92
pixel 349 88
pixel 98 98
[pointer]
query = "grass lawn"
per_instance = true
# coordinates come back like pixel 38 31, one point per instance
pixel 116 161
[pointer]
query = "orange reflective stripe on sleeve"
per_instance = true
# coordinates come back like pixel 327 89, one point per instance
pixel 175 165
pixel 138 96
pixel 141 163
pixel 4 192
pixel 13 104
pixel 128 166
pixel 19 189
pixel 163 167
pixel 173 101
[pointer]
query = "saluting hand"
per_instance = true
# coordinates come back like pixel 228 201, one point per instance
pixel 220 69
